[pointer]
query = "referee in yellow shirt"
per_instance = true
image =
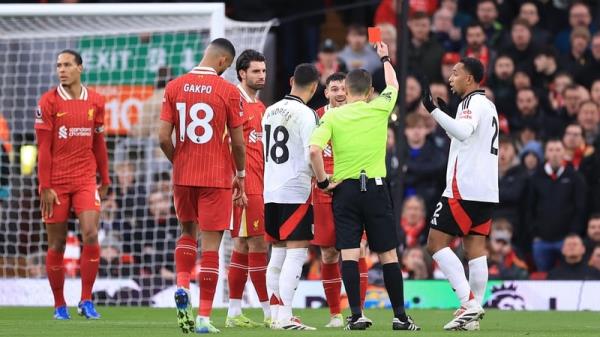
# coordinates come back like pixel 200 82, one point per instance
pixel 358 133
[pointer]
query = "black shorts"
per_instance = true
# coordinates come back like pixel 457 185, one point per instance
pixel 371 211
pixel 288 222
pixel 462 217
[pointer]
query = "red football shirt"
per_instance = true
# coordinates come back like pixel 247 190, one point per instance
pixel 73 123
pixel 320 197
pixel 254 110
pixel 202 105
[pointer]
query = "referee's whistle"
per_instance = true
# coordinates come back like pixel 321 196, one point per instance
pixel 363 181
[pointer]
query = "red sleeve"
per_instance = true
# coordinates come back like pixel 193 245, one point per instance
pixel 99 118
pixel 44 140
pixel 235 110
pixel 167 114
pixel 44 114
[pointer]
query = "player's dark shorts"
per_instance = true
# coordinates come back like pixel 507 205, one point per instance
pixel 371 211
pixel 462 217
pixel 288 222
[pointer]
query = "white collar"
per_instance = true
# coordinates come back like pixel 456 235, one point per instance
pixel 203 71
pixel 64 94
pixel 245 95
pixel 551 173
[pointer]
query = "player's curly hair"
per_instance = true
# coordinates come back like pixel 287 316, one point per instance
pixel 244 60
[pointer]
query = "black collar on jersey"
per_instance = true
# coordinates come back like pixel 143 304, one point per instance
pixel 295 98
pixel 467 99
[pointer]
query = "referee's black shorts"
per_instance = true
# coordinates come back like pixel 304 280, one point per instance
pixel 371 211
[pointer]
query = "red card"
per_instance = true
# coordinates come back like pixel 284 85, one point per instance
pixel 374 35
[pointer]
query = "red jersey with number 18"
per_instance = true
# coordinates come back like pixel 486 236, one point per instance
pixel 202 105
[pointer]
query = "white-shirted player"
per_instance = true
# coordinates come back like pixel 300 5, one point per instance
pixel 471 192
pixel 287 127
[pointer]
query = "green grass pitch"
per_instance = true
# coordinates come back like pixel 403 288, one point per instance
pixel 149 322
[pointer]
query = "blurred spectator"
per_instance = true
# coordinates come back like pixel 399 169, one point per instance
pixel 358 54
pixel 448 62
pixel 589 119
pixel 487 15
pixel 521 79
pixel 595 91
pixel 530 12
pixel 36 265
pixel 590 168
pixel 554 184
pixel 460 19
pixel 5 150
pixel 500 81
pixel 413 223
pixel 521 47
pixel 594 260
pixel 327 63
pixel 425 163
pixel 392 165
pixel 413 94
pixel 512 186
pixel 503 262
pixel 129 194
pixel 579 56
pixel 545 68
pixel 447 34
pixel 108 213
pixel 112 262
pixel 561 81
pixel 149 116
pixel 591 72
pixel 424 53
pixel 414 266
pixel 592 238
pixel 573 266
pixel 573 96
pixel 529 112
pixel 477 48
pixel 579 16
pixel 575 147
pixel 386 11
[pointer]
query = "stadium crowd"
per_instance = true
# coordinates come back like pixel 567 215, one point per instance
pixel 543 73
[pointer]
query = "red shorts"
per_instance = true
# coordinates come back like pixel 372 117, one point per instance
pixel 210 207
pixel 79 197
pixel 324 225
pixel 249 221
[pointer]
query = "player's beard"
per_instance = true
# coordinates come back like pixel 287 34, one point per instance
pixel 255 86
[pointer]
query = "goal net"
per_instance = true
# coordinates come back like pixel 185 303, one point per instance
pixel 129 53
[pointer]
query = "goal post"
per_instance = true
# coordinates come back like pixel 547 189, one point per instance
pixel 129 53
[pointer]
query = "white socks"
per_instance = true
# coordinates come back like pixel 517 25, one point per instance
pixel 273 272
pixel 289 279
pixel 478 277
pixel 235 308
pixel 266 309
pixel 451 266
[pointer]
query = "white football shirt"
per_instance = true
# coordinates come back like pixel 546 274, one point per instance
pixel 287 127
pixel 472 172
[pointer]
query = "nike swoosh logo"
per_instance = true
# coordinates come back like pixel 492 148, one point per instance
pixel 94 260
pixel 250 118
pixel 60 114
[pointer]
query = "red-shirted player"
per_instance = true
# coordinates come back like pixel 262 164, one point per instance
pixel 249 255
pixel 69 126
pixel 205 111
pixel 335 92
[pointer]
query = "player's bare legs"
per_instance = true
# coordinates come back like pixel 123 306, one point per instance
pixel 249 258
pixel 332 284
pixel 185 260
pixel 90 260
pixel 438 244
pixel 57 237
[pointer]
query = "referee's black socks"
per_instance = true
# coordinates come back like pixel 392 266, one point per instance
pixel 351 279
pixel 394 284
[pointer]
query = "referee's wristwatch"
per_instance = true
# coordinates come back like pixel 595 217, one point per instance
pixel 385 59
pixel 323 184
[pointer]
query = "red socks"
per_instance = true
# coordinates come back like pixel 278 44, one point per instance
pixel 185 259
pixel 257 267
pixel 56 276
pixel 238 274
pixel 332 284
pixel 88 268
pixel 364 279
pixel 209 275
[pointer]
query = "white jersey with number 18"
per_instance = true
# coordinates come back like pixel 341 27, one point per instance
pixel 472 172
pixel 287 127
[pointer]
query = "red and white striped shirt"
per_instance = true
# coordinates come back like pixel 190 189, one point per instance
pixel 202 105
pixel 320 197
pixel 254 110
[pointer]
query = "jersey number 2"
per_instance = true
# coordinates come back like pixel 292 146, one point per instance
pixel 280 138
pixel 494 150
pixel 190 130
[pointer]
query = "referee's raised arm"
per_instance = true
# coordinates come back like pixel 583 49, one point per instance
pixel 388 68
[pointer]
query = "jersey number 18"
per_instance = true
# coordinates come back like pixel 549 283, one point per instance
pixel 190 130
pixel 279 152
